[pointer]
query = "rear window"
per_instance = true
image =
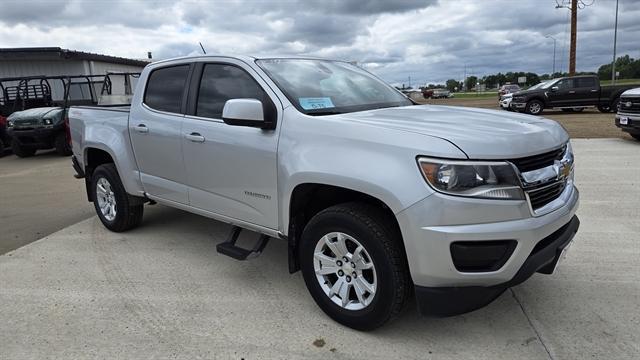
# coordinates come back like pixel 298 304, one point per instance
pixel 585 82
pixel 165 88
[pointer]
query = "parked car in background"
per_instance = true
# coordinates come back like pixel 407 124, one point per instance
pixel 571 93
pixel 441 93
pixel 379 199
pixel 508 89
pixel 505 102
pixel 427 93
pixel 628 116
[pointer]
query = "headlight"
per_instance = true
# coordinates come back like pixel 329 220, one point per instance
pixel 487 180
pixel 9 123
pixel 47 121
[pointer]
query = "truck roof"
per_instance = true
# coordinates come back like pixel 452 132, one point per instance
pixel 246 58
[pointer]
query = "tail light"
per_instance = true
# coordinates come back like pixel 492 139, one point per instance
pixel 3 121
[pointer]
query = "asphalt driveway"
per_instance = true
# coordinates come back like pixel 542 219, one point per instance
pixel 161 291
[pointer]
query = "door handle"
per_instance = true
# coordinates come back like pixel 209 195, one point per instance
pixel 195 137
pixel 594 90
pixel 572 92
pixel 141 128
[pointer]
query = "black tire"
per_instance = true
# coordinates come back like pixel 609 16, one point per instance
pixel 636 136
pixel 21 151
pixel 2 148
pixel 381 239
pixel 62 145
pixel 604 108
pixel 534 107
pixel 614 105
pixel 127 216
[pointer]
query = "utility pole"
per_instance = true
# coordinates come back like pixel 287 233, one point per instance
pixel 615 40
pixel 554 54
pixel 574 30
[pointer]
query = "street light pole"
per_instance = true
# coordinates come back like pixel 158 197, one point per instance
pixel 615 40
pixel 554 53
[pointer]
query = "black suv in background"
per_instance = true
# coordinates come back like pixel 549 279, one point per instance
pixel 628 116
pixel 569 92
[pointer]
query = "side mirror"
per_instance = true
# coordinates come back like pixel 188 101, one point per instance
pixel 554 88
pixel 244 112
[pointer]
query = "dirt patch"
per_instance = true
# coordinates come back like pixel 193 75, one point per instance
pixel 587 124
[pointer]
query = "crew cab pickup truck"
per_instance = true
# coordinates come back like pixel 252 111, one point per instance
pixel 569 93
pixel 378 198
pixel 628 116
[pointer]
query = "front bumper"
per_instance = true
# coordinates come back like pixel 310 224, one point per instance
pixel 633 122
pixel 430 226
pixel 448 301
pixel 518 105
pixel 36 137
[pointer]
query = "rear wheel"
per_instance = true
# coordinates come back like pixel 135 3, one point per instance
pixel 604 108
pixel 62 145
pixel 112 202
pixel 534 107
pixel 354 265
pixel 20 150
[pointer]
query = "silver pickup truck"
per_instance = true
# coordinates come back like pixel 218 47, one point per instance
pixel 379 199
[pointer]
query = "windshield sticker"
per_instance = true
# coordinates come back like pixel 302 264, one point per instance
pixel 313 103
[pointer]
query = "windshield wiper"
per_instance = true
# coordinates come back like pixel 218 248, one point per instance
pixel 325 112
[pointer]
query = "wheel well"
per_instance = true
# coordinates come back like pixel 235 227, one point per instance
pixel 93 159
pixel 309 199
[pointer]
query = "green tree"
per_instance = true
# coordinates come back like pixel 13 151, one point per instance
pixel 452 85
pixel 471 82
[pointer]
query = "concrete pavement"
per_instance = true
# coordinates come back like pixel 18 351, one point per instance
pixel 161 291
pixel 38 196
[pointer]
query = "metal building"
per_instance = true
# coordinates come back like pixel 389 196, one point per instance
pixel 50 61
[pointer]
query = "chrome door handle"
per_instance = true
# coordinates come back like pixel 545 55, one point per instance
pixel 572 92
pixel 594 90
pixel 195 137
pixel 141 128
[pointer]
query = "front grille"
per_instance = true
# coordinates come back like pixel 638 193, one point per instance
pixel 539 161
pixel 545 194
pixel 634 106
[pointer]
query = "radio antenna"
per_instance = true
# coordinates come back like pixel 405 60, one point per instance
pixel 202 47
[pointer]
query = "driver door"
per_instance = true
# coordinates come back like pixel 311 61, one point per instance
pixel 231 170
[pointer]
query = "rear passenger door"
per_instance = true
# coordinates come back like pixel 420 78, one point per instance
pixel 231 170
pixel 587 90
pixel 155 130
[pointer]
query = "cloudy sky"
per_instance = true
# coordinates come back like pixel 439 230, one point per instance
pixel 428 40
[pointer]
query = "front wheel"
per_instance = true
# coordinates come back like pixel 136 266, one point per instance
pixel 534 107
pixel 604 108
pixel 354 265
pixel 636 136
pixel 112 201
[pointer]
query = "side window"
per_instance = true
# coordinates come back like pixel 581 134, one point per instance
pixel 165 88
pixel 587 82
pixel 565 84
pixel 223 82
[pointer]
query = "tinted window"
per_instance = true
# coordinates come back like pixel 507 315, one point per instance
pixel 165 88
pixel 565 84
pixel 221 83
pixel 586 82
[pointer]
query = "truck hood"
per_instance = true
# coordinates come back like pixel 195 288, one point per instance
pixel 36 116
pixel 479 133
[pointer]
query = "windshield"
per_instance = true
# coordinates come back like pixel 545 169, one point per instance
pixel 547 84
pixel 322 87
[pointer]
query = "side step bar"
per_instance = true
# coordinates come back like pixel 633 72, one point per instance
pixel 229 247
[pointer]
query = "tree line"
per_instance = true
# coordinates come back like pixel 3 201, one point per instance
pixel 628 67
